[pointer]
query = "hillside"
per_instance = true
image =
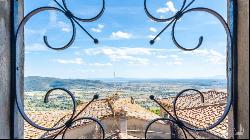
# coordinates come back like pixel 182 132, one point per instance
pixel 36 83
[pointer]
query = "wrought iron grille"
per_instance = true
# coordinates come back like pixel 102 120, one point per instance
pixel 172 21
pixel 74 20
pixel 175 119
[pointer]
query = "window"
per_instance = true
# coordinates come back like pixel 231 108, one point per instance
pixel 112 63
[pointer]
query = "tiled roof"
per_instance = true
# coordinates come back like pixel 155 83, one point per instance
pixel 194 100
pixel 133 110
pixel 43 118
pixel 201 115
pixel 99 109
pixel 205 116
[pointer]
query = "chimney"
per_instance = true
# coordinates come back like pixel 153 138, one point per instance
pixel 123 123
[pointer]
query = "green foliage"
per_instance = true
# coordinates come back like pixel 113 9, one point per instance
pixel 36 83
pixel 156 111
pixel 35 101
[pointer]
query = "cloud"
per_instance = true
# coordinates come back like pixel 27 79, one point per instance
pixel 127 51
pixel 32 32
pixel 100 26
pixel 98 29
pixel 139 61
pixel 77 61
pixel 176 60
pixel 171 59
pixel 169 8
pixel 211 55
pixel 121 35
pixel 152 29
pixel 162 17
pixel 150 20
pixel 162 56
pixel 217 58
pixel 174 56
pixel 64 27
pixel 52 15
pixel 134 56
pixel 177 63
pixel 152 37
pixel 35 47
pixel 101 64
pixel 119 52
pixel 53 20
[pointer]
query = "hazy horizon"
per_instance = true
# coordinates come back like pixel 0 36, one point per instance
pixel 219 77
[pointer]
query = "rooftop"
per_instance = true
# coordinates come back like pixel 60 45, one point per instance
pixel 191 110
pixel 100 109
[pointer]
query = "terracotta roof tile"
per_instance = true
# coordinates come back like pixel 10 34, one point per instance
pixel 43 118
pixel 200 114
pixel 99 109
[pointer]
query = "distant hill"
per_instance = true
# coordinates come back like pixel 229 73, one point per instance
pixel 36 83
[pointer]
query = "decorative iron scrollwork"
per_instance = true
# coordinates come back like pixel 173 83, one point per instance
pixel 69 15
pixel 64 126
pixel 74 20
pixel 174 119
pixel 68 124
pixel 174 19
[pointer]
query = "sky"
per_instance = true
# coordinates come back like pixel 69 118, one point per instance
pixel 124 32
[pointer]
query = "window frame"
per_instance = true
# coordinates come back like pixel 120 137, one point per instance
pixel 17 76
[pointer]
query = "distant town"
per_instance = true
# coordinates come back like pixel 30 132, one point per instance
pixel 84 90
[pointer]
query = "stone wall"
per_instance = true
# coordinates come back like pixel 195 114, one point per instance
pixel 243 67
pixel 4 68
pixel 5 71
